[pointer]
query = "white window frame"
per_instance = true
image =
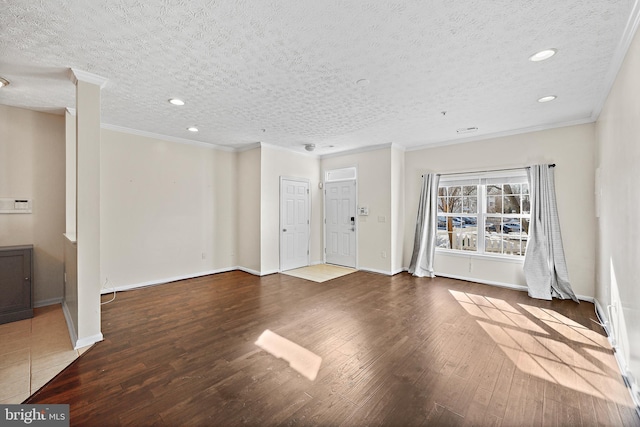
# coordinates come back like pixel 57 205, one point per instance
pixel 482 180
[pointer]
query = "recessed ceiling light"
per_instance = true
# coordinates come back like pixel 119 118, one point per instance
pixel 3 82
pixel 192 129
pixel 363 82
pixel 542 55
pixel 547 98
pixel 176 101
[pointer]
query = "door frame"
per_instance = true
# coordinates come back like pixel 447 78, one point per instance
pixel 324 211
pixel 280 232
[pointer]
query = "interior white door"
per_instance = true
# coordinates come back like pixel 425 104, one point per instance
pixel 340 227
pixel 294 224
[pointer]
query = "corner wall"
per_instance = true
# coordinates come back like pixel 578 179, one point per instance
pixel 167 210
pixel 248 210
pixel 618 250
pixel 276 162
pixel 374 191
pixel 32 165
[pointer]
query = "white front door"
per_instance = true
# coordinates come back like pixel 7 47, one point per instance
pixel 340 228
pixel 294 223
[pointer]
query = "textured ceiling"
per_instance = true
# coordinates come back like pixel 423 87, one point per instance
pixel 285 72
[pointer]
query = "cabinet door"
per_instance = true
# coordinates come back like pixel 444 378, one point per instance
pixel 15 285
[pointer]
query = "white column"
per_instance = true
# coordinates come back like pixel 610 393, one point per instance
pixel 88 204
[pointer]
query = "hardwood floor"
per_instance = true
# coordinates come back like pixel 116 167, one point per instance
pixel 395 351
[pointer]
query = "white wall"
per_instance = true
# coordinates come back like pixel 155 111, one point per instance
pixel 571 148
pixel 167 210
pixel 32 159
pixel 276 162
pixel 248 210
pixel 618 256
pixel 374 191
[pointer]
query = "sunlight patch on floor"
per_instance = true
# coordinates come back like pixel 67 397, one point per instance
pixel 580 359
pixel 302 360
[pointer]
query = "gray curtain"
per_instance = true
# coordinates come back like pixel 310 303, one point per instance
pixel 545 268
pixel 424 243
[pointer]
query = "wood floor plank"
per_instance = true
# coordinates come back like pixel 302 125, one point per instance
pixel 395 351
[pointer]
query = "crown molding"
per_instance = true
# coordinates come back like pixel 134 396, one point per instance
pixel 502 134
pixel 290 150
pixel 71 111
pixel 363 150
pixel 618 58
pixel 76 76
pixel 247 147
pixel 164 137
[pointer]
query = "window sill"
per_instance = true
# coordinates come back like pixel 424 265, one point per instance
pixel 500 258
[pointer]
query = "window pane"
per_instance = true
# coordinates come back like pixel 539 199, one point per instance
pixel 454 191
pixel 494 190
pixel 470 190
pixel 512 189
pixel 470 205
pixel 467 239
pixel 492 225
pixel 442 239
pixel 494 204
pixel 442 191
pixel 511 226
pixel 442 201
pixel 470 221
pixel 456 204
pixel 511 203
pixel 525 225
pixel 493 243
pixel 442 223
pixel 525 188
pixel 526 204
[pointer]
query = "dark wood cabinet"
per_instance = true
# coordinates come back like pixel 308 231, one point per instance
pixel 16 283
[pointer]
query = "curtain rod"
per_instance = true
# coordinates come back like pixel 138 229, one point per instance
pixel 553 165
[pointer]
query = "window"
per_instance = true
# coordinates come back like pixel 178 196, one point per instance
pixel 485 213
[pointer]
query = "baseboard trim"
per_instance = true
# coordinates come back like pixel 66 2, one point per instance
pixel 164 280
pixel 70 326
pixel 249 270
pixel 373 270
pixel 501 284
pixel 47 302
pixel 629 380
pixel 90 340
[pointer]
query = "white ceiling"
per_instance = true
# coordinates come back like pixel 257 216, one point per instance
pixel 290 67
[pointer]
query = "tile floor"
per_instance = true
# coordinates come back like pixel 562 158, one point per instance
pixel 320 272
pixel 32 352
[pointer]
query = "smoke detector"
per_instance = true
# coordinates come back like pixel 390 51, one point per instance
pixel 310 147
